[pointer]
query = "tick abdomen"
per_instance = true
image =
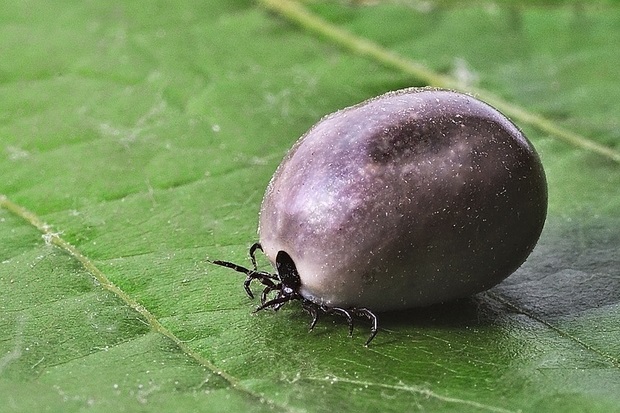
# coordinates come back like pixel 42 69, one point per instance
pixel 412 198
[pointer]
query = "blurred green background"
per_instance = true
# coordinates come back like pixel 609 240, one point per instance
pixel 143 135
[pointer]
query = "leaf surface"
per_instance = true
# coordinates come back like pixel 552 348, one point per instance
pixel 136 140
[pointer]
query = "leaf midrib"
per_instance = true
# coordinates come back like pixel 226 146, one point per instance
pixel 55 239
pixel 298 14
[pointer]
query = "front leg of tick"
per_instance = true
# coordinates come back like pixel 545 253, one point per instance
pixel 267 290
pixel 263 277
pixel 277 302
pixel 253 248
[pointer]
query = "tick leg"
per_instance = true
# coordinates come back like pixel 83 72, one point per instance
pixel 346 314
pixel 246 285
pixel 312 309
pixel 253 248
pixel 250 274
pixel 365 312
pixel 233 266
pixel 267 290
pixel 276 303
pixel 264 277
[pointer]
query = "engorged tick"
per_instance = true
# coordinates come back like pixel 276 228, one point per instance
pixel 412 198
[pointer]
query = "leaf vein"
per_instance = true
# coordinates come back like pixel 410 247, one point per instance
pixel 416 390
pixel 299 15
pixel 55 239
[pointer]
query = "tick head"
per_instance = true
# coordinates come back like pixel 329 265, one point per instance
pixel 287 271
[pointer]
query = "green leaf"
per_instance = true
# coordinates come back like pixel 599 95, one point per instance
pixel 136 140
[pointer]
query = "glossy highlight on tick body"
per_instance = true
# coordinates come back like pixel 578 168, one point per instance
pixel 412 198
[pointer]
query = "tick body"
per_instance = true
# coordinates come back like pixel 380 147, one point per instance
pixel 412 198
